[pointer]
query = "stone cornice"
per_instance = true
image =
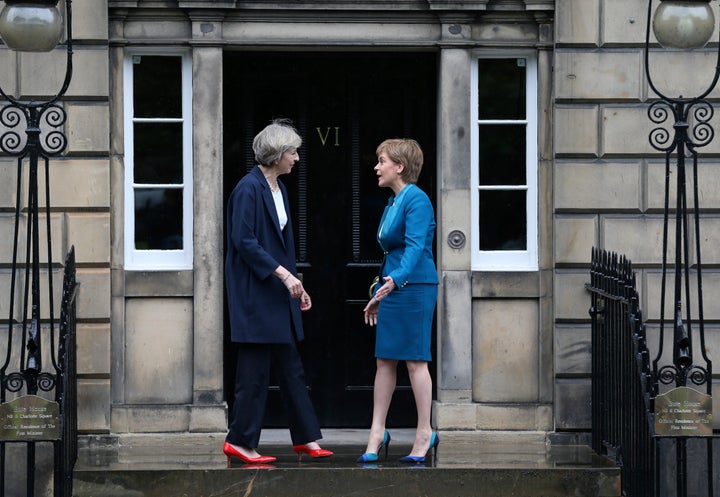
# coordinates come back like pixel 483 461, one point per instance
pixel 343 5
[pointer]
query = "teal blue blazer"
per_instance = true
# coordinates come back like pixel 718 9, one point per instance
pixel 406 234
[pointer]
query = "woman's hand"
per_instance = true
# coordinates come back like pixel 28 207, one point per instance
pixel 305 302
pixel 294 286
pixel 384 290
pixel 371 311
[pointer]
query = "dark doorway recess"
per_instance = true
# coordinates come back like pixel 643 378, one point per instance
pixel 343 105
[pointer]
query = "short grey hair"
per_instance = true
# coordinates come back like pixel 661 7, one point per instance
pixel 272 142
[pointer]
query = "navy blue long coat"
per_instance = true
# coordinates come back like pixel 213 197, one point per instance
pixel 260 307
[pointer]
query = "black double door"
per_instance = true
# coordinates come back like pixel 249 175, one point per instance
pixel 343 105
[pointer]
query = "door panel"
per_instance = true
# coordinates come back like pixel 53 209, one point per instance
pixel 343 105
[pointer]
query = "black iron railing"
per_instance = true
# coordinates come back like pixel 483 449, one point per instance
pixel 626 381
pixel 59 383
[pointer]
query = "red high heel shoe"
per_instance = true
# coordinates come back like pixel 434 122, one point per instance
pixel 314 453
pixel 231 451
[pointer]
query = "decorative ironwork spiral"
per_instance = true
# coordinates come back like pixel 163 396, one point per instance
pixel 668 374
pixel 52 140
pixel 14 382
pixel 702 132
pixel 11 116
pixel 11 142
pixel 698 375
pixel 46 381
pixel 54 143
pixel 660 138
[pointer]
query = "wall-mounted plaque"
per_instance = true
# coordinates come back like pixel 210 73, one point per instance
pixel 29 418
pixel 683 412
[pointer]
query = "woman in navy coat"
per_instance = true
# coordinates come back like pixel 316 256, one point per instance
pixel 403 307
pixel 265 300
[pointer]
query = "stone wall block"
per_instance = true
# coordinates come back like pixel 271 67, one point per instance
pixel 576 130
pixel 94 293
pixel 92 24
pixel 78 184
pixel 503 32
pixel 505 350
pixel 5 281
pixel 577 22
pixel 57 230
pixel 150 419
pixel 573 351
pixel 513 417
pixel 455 216
pixel 295 33
pixel 639 238
pixel 623 22
pixel 159 351
pixel 210 419
pixel 93 349
pixel 708 185
pixel 42 73
pixel 572 301
pixel 8 183
pixel 575 236
pixel 451 416
pixel 90 234
pixel 598 75
pixel 598 186
pixel 454 116
pixel 8 76
pixel 625 130
pixel 455 332
pixel 709 241
pixel 651 292
pixel 691 74
pixel 93 406
pixel 87 128
pixel 573 404
pixel 90 73
pixel 150 29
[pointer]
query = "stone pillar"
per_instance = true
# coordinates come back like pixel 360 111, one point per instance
pixel 208 230
pixel 454 378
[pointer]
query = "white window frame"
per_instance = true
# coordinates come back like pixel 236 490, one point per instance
pixel 507 260
pixel 158 260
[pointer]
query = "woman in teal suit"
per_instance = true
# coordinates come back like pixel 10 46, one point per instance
pixel 402 308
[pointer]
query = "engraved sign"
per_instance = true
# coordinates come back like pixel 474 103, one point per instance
pixel 325 134
pixel 29 418
pixel 683 412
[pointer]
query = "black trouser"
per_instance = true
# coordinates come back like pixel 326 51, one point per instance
pixel 252 379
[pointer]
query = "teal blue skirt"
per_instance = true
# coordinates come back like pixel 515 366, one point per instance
pixel 404 326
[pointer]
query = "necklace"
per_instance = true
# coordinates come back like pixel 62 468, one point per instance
pixel 273 188
pixel 270 180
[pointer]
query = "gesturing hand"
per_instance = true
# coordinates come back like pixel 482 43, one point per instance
pixel 371 312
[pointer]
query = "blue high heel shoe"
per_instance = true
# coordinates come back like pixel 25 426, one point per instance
pixel 373 457
pixel 434 442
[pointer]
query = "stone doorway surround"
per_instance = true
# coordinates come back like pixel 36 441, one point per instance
pixel 154 390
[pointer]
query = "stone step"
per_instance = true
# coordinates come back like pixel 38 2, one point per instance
pixel 467 464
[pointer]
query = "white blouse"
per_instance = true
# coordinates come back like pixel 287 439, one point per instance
pixel 280 206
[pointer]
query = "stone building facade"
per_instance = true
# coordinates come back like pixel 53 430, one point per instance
pixel 512 346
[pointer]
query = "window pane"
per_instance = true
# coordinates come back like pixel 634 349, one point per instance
pixel 157 86
pixel 502 154
pixel 158 219
pixel 501 88
pixel 503 220
pixel 158 153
